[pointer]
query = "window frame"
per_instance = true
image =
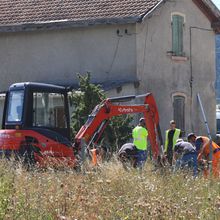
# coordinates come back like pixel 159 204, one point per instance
pixel 13 114
pixel 50 117
pixel 181 123
pixel 177 41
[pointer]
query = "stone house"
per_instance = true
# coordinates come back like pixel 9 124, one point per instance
pixel 130 47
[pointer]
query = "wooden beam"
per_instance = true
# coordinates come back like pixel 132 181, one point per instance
pixel 209 13
pixel 216 26
pixel 65 24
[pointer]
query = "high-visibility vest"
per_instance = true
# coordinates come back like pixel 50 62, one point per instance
pixel 206 150
pixel 215 156
pixel 176 135
pixel 140 137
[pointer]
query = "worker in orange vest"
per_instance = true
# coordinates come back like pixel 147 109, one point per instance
pixel 202 144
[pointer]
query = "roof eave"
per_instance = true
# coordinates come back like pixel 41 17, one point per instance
pixel 149 13
pixel 216 27
pixel 208 8
pixel 64 24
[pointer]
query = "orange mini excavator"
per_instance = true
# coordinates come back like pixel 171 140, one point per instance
pixel 36 123
pixel 91 131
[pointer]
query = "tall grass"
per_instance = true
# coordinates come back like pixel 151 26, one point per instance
pixel 109 192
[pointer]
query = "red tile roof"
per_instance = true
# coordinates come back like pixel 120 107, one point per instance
pixel 13 12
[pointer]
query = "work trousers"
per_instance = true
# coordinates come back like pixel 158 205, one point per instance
pixel 170 157
pixel 215 165
pixel 188 160
pixel 141 158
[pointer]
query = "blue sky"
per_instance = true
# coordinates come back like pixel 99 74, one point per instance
pixel 217 2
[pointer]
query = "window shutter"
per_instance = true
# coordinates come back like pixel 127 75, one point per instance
pixel 177 35
pixel 179 111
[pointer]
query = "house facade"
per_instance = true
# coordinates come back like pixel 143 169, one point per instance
pixel 218 69
pixel 158 46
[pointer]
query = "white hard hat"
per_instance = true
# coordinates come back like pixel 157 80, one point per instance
pixel 179 140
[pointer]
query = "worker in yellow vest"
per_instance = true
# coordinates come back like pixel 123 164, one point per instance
pixel 139 135
pixel 171 137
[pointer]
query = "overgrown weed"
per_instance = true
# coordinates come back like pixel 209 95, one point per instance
pixel 106 192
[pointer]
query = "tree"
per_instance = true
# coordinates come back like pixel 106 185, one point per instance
pixel 84 100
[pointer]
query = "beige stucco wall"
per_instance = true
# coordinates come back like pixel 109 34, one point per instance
pixel 56 56
pixel 124 90
pixel 163 76
pixel 138 53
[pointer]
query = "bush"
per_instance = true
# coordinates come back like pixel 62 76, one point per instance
pixel 84 101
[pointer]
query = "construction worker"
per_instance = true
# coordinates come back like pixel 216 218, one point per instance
pixel 202 144
pixel 128 154
pixel 191 138
pixel 139 135
pixel 185 155
pixel 171 137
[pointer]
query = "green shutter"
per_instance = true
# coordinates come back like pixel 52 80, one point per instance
pixel 177 35
pixel 179 111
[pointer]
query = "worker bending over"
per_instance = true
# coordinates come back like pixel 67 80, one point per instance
pixel 202 144
pixel 128 155
pixel 191 138
pixel 186 156
pixel 171 137
pixel 139 135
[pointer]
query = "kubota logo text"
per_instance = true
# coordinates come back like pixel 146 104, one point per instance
pixel 127 110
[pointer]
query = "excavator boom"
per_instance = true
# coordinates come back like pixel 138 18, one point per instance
pixel 109 108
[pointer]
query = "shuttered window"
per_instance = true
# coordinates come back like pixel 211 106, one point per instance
pixel 177 35
pixel 179 111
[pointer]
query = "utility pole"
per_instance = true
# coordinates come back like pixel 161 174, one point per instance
pixel 208 131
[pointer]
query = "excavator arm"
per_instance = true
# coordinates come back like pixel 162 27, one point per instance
pixel 109 108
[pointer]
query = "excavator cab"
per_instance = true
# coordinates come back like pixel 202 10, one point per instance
pixel 37 106
pixel 36 120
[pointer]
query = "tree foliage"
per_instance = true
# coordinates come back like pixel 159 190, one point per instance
pixel 84 100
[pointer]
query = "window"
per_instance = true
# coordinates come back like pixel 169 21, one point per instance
pixel 177 34
pixel 48 110
pixel 15 106
pixel 179 111
pixel 2 103
pixel 218 121
pixel 218 125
